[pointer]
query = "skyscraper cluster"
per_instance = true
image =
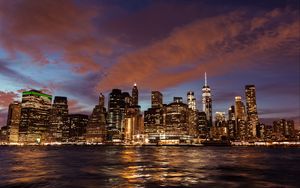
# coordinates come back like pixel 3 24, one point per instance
pixel 37 120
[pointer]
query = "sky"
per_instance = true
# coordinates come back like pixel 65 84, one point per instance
pixel 81 48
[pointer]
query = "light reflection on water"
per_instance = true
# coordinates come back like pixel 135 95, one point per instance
pixel 113 166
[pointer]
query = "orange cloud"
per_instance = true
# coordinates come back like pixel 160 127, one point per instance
pixel 42 28
pixel 216 45
pixel 6 98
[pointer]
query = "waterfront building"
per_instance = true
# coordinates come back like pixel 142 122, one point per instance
pixel 207 102
pixel 133 125
pixel 116 115
pixel 96 127
pixel 78 124
pixel 203 130
pixel 285 128
pixel 59 128
pixel 220 128
pixel 176 128
pixel 35 111
pixel 240 118
pixel 252 116
pixel 154 123
pixel 13 121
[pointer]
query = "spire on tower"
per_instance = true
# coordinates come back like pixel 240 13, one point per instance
pixel 205 80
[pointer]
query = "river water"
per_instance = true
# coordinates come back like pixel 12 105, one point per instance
pixel 149 166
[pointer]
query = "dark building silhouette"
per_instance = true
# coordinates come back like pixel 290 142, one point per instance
pixel 59 127
pixel 35 112
pixel 116 114
pixel 135 95
pixel 78 124
pixel 96 127
pixel 202 125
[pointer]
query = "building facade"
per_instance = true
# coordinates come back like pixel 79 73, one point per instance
pixel 13 121
pixel 96 127
pixel 251 108
pixel 35 111
pixel 207 102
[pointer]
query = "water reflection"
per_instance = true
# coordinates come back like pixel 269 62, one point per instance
pixel 148 167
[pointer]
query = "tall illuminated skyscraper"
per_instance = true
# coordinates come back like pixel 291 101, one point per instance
pixel 35 112
pixel 251 108
pixel 135 95
pixel 240 118
pixel 207 102
pixel 116 114
pixel 191 100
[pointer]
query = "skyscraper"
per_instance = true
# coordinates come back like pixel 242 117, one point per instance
pixel 135 95
pixel 251 108
pixel 240 118
pixel 13 121
pixel 207 102
pixel 96 127
pixel 78 123
pixel 58 120
pixel 116 114
pixel 177 119
pixel 153 117
pixel 156 99
pixel 191 100
pixel 34 116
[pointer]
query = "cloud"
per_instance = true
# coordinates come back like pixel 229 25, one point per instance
pixel 14 75
pixel 6 98
pixel 217 44
pixel 49 31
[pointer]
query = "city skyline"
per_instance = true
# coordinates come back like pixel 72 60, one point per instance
pixel 96 46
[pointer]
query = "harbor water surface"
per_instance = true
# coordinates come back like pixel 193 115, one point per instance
pixel 150 166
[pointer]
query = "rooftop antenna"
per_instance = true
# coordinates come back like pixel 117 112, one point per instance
pixel 205 79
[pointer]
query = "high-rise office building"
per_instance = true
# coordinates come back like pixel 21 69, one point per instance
pixel 202 125
pixel 177 119
pixel 240 118
pixel 135 95
pixel 96 127
pixel 191 100
pixel 156 99
pixel 34 116
pixel 78 124
pixel 207 102
pixel 116 115
pixel 232 128
pixel 251 109
pixel 13 121
pixel 59 128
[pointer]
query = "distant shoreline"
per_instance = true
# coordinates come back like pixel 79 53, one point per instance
pixel 232 144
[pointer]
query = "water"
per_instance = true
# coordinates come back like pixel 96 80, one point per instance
pixel 116 166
